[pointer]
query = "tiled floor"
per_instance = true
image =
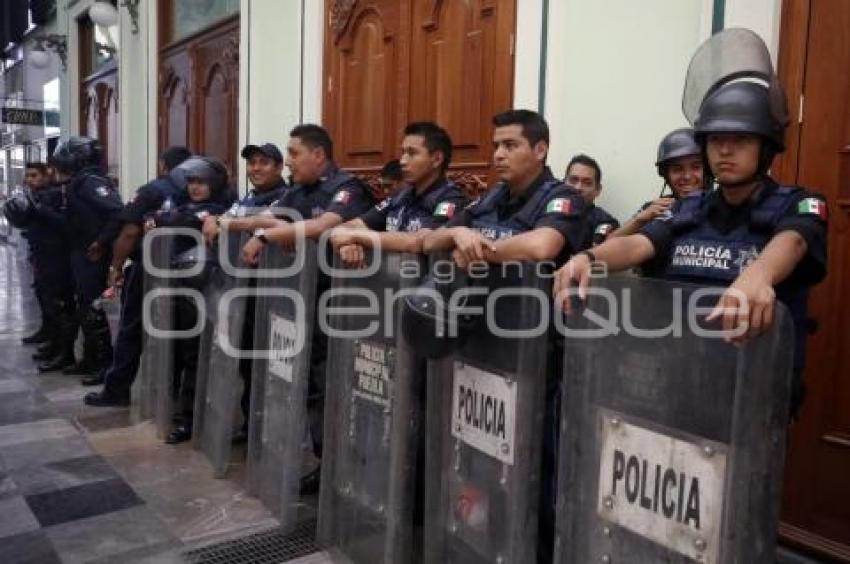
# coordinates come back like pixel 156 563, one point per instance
pixel 81 484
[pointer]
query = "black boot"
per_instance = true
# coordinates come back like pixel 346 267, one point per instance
pixel 59 362
pixel 46 352
pixel 106 398
pixel 88 364
pixel 40 336
pixel 95 379
pixel 179 434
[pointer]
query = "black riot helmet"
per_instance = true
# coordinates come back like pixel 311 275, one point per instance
pixel 76 153
pixel 208 170
pixel 678 143
pixel 743 107
pixel 433 323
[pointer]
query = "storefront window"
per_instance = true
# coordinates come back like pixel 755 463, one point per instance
pixel 190 16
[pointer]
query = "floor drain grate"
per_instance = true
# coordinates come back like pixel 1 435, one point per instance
pixel 269 547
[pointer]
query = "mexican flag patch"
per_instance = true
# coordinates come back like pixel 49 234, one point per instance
pixel 445 209
pixel 559 205
pixel 812 206
pixel 342 197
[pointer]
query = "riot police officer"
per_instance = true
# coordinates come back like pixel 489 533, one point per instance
pixel 765 241
pixel 528 215
pixel 585 175
pixel 36 179
pixel 164 192
pixel 680 164
pixel 324 196
pixel 428 200
pixel 208 195
pixel 91 202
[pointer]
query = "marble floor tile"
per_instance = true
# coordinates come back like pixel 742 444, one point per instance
pixel 36 431
pixel 14 385
pixel 37 453
pixel 15 517
pixel 104 537
pixel 62 475
pixel 80 502
pixel 28 548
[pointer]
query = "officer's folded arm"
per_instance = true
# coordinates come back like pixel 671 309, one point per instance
pixel 541 244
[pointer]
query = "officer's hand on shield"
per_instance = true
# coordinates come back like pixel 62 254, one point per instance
pixel 575 273
pixel 746 308
pixel 353 256
pixel 251 251
pixel 341 238
pixel 210 230
pixel 95 252
pixel 471 245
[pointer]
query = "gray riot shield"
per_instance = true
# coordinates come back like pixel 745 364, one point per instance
pixel 283 332
pixel 156 374
pixel 373 417
pixel 485 414
pixel 219 384
pixel 672 442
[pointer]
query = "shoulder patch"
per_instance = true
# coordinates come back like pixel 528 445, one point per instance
pixel 445 209
pixel 342 197
pixel 604 228
pixel 102 191
pixel 382 205
pixel 559 205
pixel 813 206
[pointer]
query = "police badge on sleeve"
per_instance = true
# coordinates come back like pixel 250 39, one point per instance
pixel 102 191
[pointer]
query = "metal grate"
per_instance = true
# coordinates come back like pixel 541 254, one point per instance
pixel 269 547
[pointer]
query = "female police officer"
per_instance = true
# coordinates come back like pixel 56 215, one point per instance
pixel 680 164
pixel 774 237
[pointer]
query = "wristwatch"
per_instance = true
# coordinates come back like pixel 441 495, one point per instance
pixel 589 254
pixel 261 235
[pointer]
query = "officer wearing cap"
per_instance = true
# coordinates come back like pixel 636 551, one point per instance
pixel 324 197
pixel 585 175
pixel 167 191
pixel 680 164
pixel 769 240
pixel 426 202
pixel 92 200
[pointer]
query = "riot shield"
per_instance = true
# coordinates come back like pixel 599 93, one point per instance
pixel 373 418
pixel 485 421
pixel 218 384
pixel 672 441
pixel 732 54
pixel 283 332
pixel 156 375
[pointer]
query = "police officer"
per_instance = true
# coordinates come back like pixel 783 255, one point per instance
pixel 426 202
pixel 42 214
pixel 36 179
pixel 91 202
pixel 324 196
pixel 585 175
pixel 680 164
pixel 208 195
pixel 528 215
pixel 391 177
pixel 165 192
pixel 770 240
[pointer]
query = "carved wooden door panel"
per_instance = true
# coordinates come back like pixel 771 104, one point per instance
pixel 365 81
pixel 99 115
pixel 199 92
pixel 816 512
pixel 390 62
pixel 461 71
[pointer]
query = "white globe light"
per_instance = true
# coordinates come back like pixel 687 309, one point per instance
pixel 103 14
pixel 39 58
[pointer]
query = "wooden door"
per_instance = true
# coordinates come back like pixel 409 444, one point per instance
pixel 390 62
pixel 815 58
pixel 199 92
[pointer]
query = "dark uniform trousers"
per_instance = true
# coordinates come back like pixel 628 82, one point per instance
pixel 128 345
